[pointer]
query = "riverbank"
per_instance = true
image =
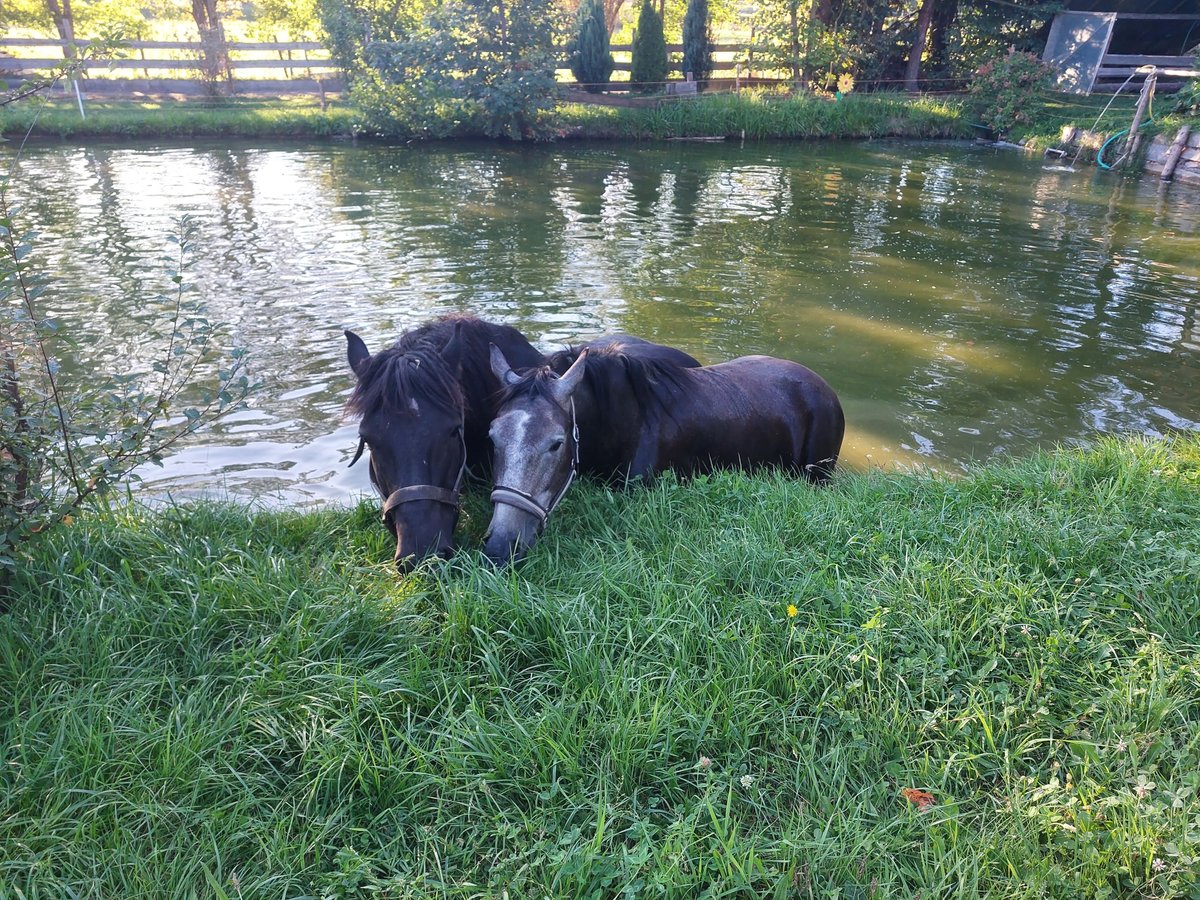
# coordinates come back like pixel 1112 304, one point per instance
pixel 752 115
pixel 302 117
pixel 901 684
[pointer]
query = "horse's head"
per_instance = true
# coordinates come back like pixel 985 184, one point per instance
pixel 411 419
pixel 536 451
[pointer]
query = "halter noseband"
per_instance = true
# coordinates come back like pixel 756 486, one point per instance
pixel 414 492
pixel 524 502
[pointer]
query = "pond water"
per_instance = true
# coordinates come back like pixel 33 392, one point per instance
pixel 966 303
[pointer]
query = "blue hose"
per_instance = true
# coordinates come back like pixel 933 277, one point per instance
pixel 1100 156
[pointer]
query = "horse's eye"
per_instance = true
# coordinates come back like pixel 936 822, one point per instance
pixel 555 447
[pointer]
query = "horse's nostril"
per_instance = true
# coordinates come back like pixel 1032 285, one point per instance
pixel 404 564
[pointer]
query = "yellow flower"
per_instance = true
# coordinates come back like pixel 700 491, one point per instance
pixel 792 611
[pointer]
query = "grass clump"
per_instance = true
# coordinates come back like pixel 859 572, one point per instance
pixel 722 685
pixel 758 115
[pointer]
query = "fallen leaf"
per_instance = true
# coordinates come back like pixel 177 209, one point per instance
pixel 68 520
pixel 923 799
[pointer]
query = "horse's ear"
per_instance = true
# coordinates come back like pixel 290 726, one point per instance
pixel 565 386
pixel 500 367
pixel 452 350
pixel 356 352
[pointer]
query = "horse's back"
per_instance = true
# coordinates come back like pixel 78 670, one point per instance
pixel 774 412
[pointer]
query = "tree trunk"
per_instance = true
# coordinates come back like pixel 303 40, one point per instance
pixel 612 9
pixel 944 18
pixel 212 36
pixel 64 22
pixel 822 12
pixel 794 37
pixel 913 71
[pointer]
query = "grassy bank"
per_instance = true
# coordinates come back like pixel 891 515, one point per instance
pixel 755 115
pixel 752 114
pixel 758 116
pixel 724 686
pixel 300 117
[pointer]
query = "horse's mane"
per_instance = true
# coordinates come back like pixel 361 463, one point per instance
pixel 411 368
pixel 653 381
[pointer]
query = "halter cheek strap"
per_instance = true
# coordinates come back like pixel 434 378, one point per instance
pixel 524 502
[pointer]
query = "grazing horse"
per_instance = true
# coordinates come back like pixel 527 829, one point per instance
pixel 425 405
pixel 614 415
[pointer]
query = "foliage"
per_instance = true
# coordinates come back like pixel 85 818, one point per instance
pixel 469 67
pixel 591 60
pixel 68 435
pixel 1007 88
pixel 789 39
pixel 1187 100
pixel 697 42
pixel 296 19
pixel 649 66
pixel 676 696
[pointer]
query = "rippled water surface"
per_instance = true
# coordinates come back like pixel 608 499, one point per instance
pixel 965 303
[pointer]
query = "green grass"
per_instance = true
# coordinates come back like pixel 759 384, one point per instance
pixel 203 702
pixel 758 115
pixel 301 117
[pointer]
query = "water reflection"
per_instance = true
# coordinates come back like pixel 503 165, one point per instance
pixel 964 303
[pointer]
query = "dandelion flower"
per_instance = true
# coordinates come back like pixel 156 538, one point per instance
pixel 792 611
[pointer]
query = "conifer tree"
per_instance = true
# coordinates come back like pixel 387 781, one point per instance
pixel 591 60
pixel 697 43
pixel 648 70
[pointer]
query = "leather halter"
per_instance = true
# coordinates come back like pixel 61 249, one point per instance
pixel 524 502
pixel 414 492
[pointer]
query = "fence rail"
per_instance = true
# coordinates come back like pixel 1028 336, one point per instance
pixel 193 59
pixel 733 63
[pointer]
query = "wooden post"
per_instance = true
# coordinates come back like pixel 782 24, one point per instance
pixel 1134 138
pixel 1175 152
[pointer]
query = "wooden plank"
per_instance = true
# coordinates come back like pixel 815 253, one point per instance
pixel 1124 59
pixel 170 45
pixel 678 48
pixel 14 64
pixel 1126 71
pixel 1184 17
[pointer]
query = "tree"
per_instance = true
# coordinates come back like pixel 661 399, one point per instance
pixel 791 37
pixel 64 23
pixel 591 60
pixel 470 67
pixel 912 70
pixel 697 43
pixel 648 70
pixel 212 36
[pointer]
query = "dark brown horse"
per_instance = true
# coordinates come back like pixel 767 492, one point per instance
pixel 617 416
pixel 425 405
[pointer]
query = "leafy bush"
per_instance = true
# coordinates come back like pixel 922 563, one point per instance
pixel 591 61
pixel 1006 87
pixel 67 437
pixel 1187 101
pixel 649 67
pixel 697 42
pixel 467 68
